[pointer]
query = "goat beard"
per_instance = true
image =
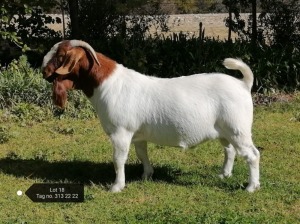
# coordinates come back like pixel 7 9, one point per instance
pixel 59 94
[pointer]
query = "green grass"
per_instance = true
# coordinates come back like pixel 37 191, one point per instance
pixel 185 187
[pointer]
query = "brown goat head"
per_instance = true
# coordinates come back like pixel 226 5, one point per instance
pixel 74 64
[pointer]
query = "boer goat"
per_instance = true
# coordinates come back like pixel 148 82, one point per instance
pixel 135 108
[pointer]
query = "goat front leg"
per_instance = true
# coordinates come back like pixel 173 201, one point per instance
pixel 121 143
pixel 142 154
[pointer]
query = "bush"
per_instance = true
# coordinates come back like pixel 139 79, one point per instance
pixel 274 67
pixel 26 112
pixel 277 68
pixel 19 83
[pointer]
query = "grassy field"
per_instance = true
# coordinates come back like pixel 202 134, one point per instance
pixel 185 187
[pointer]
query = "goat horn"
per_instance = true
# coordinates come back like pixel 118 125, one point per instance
pixel 50 54
pixel 80 43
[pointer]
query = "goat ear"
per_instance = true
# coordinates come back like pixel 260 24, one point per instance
pixel 71 59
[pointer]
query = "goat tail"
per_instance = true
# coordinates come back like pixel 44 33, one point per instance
pixel 236 64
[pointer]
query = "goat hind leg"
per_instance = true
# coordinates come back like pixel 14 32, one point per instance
pixel 252 156
pixel 229 157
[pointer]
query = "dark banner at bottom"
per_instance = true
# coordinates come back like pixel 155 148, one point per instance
pixel 56 193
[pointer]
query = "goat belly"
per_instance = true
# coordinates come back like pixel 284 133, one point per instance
pixel 176 136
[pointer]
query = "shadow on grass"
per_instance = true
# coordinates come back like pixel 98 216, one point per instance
pixel 85 172
pixel 89 173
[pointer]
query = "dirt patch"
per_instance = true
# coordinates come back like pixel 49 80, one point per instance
pixel 268 99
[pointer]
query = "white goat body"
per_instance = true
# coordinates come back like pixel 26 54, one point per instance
pixel 182 112
pixel 175 112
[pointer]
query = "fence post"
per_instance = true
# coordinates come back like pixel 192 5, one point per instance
pixel 201 32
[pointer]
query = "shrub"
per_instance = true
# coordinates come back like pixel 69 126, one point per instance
pixel 26 112
pixel 20 83
pixel 274 67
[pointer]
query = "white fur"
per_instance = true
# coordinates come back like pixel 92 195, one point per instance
pixel 184 111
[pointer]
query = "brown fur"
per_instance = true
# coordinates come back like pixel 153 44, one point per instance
pixel 92 75
pixel 59 94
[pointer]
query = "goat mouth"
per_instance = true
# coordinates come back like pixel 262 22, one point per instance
pixel 52 77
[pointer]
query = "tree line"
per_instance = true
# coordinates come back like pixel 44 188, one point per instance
pixel 120 27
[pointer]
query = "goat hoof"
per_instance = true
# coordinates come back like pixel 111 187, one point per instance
pixel 252 187
pixel 116 188
pixel 223 176
pixel 147 175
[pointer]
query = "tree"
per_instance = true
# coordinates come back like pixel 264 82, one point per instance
pixel 23 25
pixel 237 25
pixel 6 17
pixel 110 18
pixel 254 22
pixel 280 22
pixel 74 10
